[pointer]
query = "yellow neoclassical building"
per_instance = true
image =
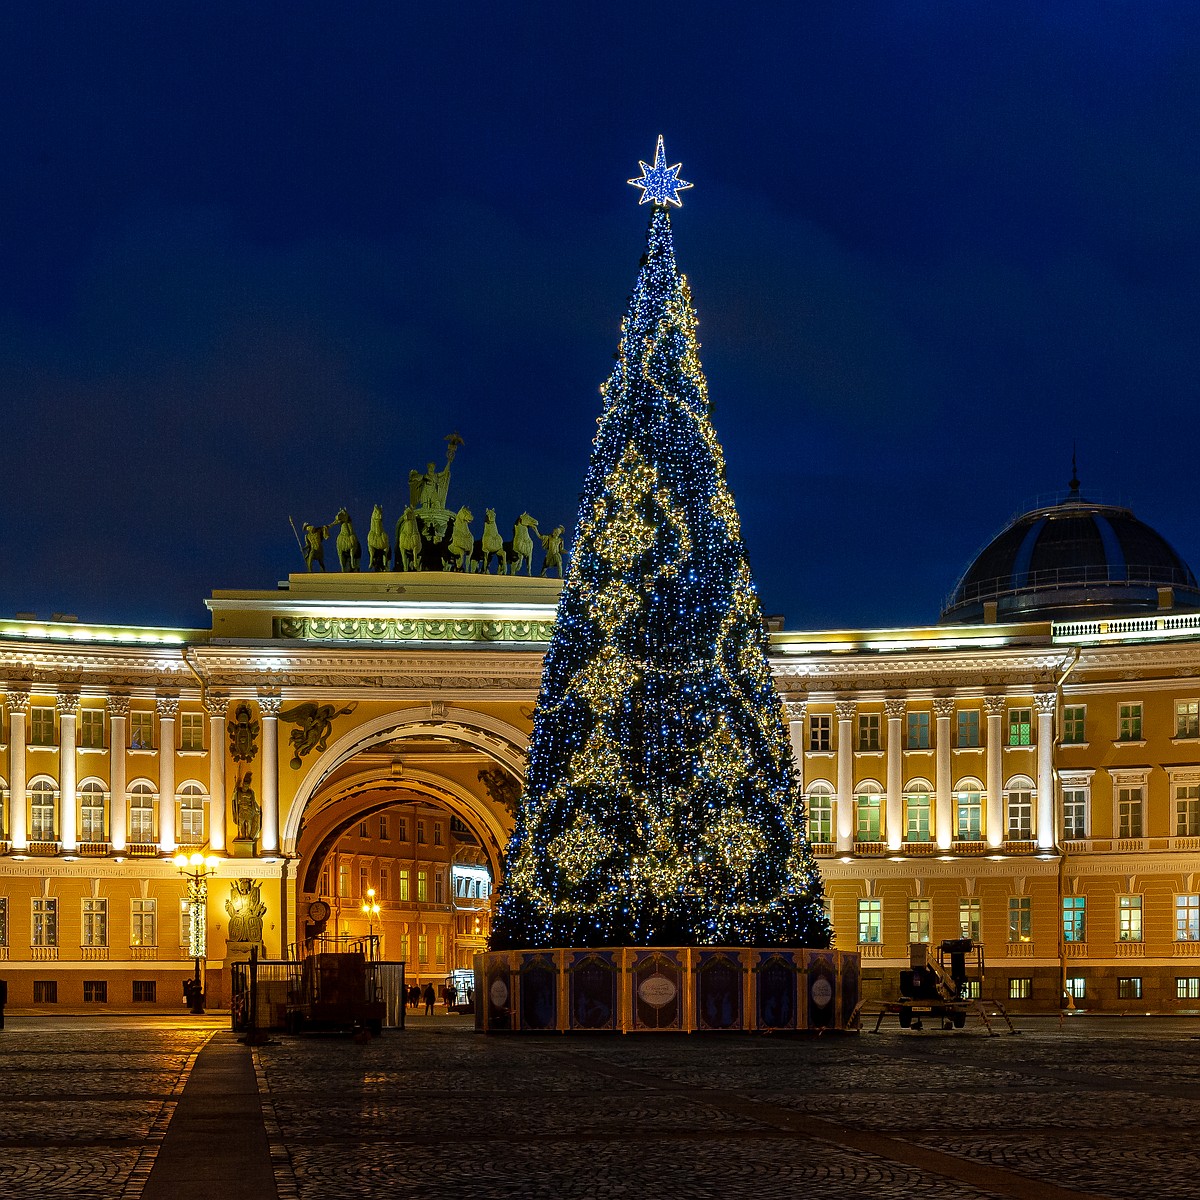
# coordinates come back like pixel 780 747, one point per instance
pixel 1027 770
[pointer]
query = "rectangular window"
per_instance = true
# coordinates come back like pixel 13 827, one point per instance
pixel 94 931
pixel 1075 918
pixel 820 817
pixel 41 725
pixel 143 922
pixel 95 991
pixel 1020 988
pixel 422 885
pixel 324 881
pixel 968 817
pixel 1129 989
pixel 385 883
pixel 420 832
pixel 437 833
pixel 1075 806
pixel 45 991
pixel 45 921
pixel 344 880
pixel 1129 918
pixel 1129 722
pixel 1187 810
pixel 917 809
pixel 920 919
pixel 91 728
pixel 3 920
pixel 363 882
pixel 1187 988
pixel 145 991
pixel 1020 918
pixel 1187 718
pixel 362 830
pixel 970 918
pixel 820 732
pixel 1187 918
pixel 1129 812
pixel 422 947
pixel 968 727
pixel 383 829
pixel 141 730
pixel 1076 987
pixel 404 885
pixel 1020 816
pixel 867 810
pixel 440 948
pixel 1074 724
pixel 439 887
pixel 870 922
pixel 191 731
pixel 918 731
pixel 1020 727
pixel 868 731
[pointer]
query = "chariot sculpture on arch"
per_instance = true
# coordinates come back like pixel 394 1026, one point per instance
pixel 427 493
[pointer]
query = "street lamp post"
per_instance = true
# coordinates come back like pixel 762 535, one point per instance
pixel 196 871
pixel 370 910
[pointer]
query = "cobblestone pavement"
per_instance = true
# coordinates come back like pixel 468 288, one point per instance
pixel 1104 1107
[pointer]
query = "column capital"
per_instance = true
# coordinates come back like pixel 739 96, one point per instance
pixel 796 710
pixel 118 704
pixel 1046 701
pixel 895 708
pixel 943 706
pixel 18 699
pixel 994 705
pixel 269 704
pixel 167 706
pixel 846 709
pixel 67 703
pixel 216 704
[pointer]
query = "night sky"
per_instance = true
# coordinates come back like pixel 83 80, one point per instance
pixel 259 259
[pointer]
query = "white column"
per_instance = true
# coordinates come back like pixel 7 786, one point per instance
pixel 268 707
pixel 995 829
pixel 943 817
pixel 894 821
pixel 1047 702
pixel 18 829
pixel 845 774
pixel 797 712
pixel 118 801
pixel 167 706
pixel 68 714
pixel 216 705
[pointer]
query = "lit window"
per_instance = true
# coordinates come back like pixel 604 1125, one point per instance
pixel 917 810
pixel 91 728
pixel 141 730
pixel 820 815
pixel 1020 918
pixel 422 886
pixel 868 812
pixel 1076 987
pixel 1129 812
pixel 95 922
pixel 870 922
pixel 1129 989
pixel 1075 806
pixel 191 814
pixel 141 813
pixel 344 880
pixel 43 807
pixel 422 947
pixel 440 945
pixel 91 812
pixel 143 923
pixel 868 731
pixel 1075 918
pixel 41 725
pixel 1187 988
pixel 974 989
pixel 404 885
pixel 45 921
pixel 1020 815
pixel 970 918
pixel 920 919
pixel 1187 810
pixel 1129 722
pixel 1074 724
pixel 1129 918
pixel 820 732
pixel 191 731
pixel 1187 918
pixel 1020 988
pixel 968 727
pixel 1187 718
pixel 968 816
pixel 1020 727
pixel 918 731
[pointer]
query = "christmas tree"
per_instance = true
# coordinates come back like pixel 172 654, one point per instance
pixel 662 806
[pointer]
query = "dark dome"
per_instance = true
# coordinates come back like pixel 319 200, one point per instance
pixel 1073 558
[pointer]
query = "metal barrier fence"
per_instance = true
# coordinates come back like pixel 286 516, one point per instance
pixel 279 984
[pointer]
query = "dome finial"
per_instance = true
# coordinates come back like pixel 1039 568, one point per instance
pixel 1074 484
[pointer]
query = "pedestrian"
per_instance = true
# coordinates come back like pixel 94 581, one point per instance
pixel 451 996
pixel 430 999
pixel 414 995
pixel 470 996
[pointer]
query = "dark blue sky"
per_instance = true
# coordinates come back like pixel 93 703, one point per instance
pixel 259 259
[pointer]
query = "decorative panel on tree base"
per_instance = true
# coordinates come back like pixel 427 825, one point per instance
pixel 666 990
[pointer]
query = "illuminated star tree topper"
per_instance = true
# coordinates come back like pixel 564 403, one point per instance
pixel 660 184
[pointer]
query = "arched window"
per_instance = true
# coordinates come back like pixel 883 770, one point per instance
pixel 92 825
pixel 917 808
pixel 968 811
pixel 142 796
pixel 43 810
pixel 191 813
pixel 1018 808
pixel 868 812
pixel 820 812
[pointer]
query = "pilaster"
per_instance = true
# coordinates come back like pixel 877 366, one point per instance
pixel 943 817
